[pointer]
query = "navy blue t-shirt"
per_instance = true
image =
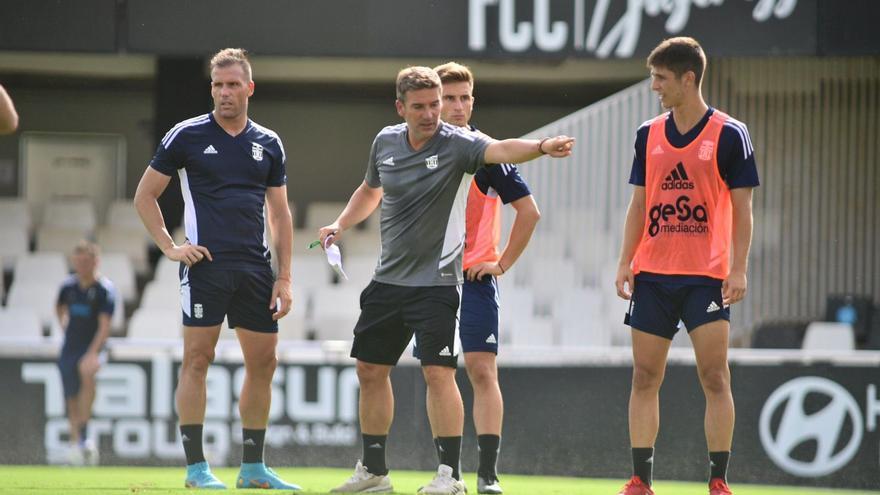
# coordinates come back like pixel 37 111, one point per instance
pixel 736 165
pixel 504 179
pixel 223 179
pixel 83 307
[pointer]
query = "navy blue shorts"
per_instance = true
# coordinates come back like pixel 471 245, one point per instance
pixel 657 307
pixel 68 365
pixel 478 326
pixel 207 296
pixel 391 314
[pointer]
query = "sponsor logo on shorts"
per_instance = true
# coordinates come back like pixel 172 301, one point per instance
pixel 491 339
pixel 445 352
pixel 713 306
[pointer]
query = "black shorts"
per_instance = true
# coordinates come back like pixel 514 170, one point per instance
pixel 209 295
pixel 657 307
pixel 391 314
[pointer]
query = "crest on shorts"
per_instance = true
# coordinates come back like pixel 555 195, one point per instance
pixel 706 149
pixel 257 152
pixel 198 311
pixel 431 162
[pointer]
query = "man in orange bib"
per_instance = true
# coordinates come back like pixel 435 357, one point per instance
pixel 685 252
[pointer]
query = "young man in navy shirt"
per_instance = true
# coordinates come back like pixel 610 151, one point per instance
pixel 85 306
pixel 229 168
pixel 483 263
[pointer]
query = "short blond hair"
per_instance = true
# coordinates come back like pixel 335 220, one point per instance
pixel 229 56
pixel 86 247
pixel 453 72
pixel 414 78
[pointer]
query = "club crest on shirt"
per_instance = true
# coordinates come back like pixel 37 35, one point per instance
pixel 431 162
pixel 706 148
pixel 257 152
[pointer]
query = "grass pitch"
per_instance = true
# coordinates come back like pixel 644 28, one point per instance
pixel 33 480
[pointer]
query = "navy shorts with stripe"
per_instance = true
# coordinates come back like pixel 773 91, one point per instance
pixel 242 296
pixel 657 307
pixel 478 327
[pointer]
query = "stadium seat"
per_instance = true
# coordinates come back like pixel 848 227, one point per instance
pixel 160 294
pixel 37 297
pixel 167 271
pixel 118 268
pixel 58 239
pixel 117 320
pixel 13 243
pixel 533 332
pixel 311 271
pixel 321 213
pixel 826 335
pixel 292 326
pixel 361 243
pixel 517 305
pixel 73 214
pixel 41 268
pixel 578 316
pixel 155 324
pixel 779 334
pixel 15 212
pixel 335 312
pixel 122 215
pixel 359 269
pixel 20 322
pixel 128 241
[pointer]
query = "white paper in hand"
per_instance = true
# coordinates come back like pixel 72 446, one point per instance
pixel 334 258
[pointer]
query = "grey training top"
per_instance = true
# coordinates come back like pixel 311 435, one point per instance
pixel 422 220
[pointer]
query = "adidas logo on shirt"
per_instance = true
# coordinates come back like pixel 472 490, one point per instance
pixel 657 151
pixel 677 179
pixel 210 150
pixel 713 307
pixel 491 339
pixel 445 352
pixel 389 161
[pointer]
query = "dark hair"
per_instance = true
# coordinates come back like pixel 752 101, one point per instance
pixel 679 55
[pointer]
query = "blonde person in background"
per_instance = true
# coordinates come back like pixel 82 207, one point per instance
pixel 85 306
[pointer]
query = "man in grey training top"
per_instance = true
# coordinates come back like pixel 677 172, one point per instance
pixel 421 171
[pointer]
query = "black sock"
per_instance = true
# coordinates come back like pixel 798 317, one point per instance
pixel 450 454
pixel 82 433
pixel 488 445
pixel 643 464
pixel 718 465
pixel 437 448
pixel 192 443
pixel 252 445
pixel 374 454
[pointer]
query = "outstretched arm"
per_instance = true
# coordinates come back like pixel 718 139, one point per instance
pixel 523 150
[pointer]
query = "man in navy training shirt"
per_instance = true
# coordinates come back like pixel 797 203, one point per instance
pixel 229 168
pixel 85 306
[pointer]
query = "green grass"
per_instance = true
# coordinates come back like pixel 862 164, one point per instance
pixel 32 480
